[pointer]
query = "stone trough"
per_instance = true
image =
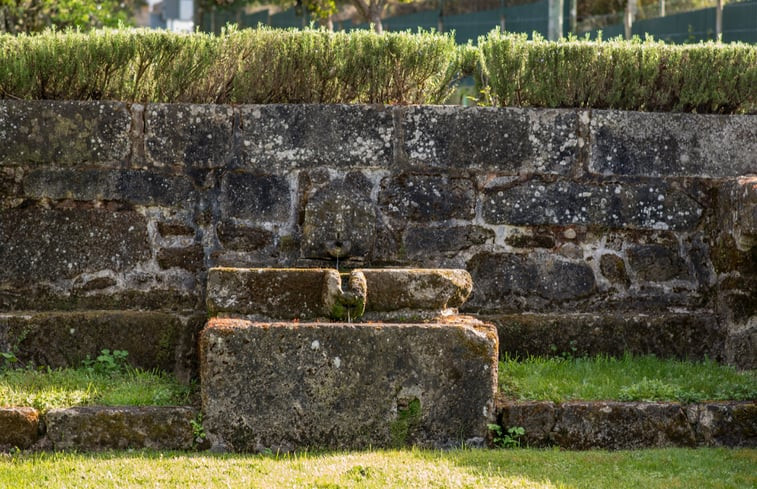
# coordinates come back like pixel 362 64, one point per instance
pixel 279 373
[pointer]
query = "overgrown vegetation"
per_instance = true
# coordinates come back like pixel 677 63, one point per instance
pixel 316 66
pixel 106 380
pixel 630 378
pixel 536 469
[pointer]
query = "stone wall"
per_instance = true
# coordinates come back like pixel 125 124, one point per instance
pixel 584 231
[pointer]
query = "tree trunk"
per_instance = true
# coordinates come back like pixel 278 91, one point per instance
pixel 374 12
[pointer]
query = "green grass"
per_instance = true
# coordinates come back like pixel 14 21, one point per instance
pixel 48 389
pixel 630 378
pixel 542 469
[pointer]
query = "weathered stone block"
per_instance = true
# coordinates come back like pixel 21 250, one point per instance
pixel 426 198
pixel 536 418
pixel 189 258
pixel 132 186
pixel 64 339
pixel 199 136
pixel 19 426
pixel 745 206
pixel 506 140
pixel 64 133
pixel 426 242
pixel 657 263
pixel 665 144
pixel 730 424
pixel 283 386
pixel 48 245
pixel 242 238
pixel 500 277
pixel 120 428
pixel 340 222
pixel 622 425
pixel 628 205
pixel 694 335
pixel 614 269
pixel 296 136
pixel 252 196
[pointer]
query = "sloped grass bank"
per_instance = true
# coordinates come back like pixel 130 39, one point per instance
pixel 539 469
pixel 630 378
pixel 266 66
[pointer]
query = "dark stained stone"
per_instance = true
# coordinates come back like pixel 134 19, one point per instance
pixel 665 145
pixel 499 277
pixel 622 425
pixel 692 335
pixel 340 221
pixel 175 229
pixel 424 241
pixel 119 428
pixel 198 136
pixel 133 186
pixel 63 339
pixel 423 384
pixel 296 136
pixel 48 245
pixel 64 132
pixel 657 263
pixel 426 198
pixel 531 241
pixel 189 258
pixel 535 417
pixel 504 139
pixel 729 424
pixel 242 238
pixel 252 196
pixel 19 427
pixel 745 205
pixel 633 206
pixel 97 283
pixel 614 269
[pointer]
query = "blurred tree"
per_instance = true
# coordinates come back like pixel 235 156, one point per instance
pixel 18 16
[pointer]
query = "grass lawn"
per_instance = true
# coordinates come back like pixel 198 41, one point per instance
pixel 630 378
pixel 47 389
pixel 543 469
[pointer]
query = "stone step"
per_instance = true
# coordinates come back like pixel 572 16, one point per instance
pixel 287 385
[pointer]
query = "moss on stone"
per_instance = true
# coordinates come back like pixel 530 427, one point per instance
pixel 408 419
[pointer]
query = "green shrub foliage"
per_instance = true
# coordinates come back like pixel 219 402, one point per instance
pixel 315 66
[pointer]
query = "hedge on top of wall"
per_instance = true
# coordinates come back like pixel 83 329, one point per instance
pixel 315 66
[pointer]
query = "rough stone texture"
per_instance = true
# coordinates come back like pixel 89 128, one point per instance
pixel 64 339
pixel 730 424
pixel 501 278
pixel 48 245
pixel 47 132
pixel 657 263
pixel 507 140
pixel 745 205
pixel 315 387
pixel 617 425
pixel 199 136
pixel 19 427
pixel 694 335
pixel 416 289
pixel 290 136
pixel 260 197
pixel 120 428
pixel 631 206
pixel 665 145
pixel 423 242
pixel 340 221
pixel 426 198
pixel 134 186
pixel 242 238
pixel 614 269
pixel 190 258
pixel 537 418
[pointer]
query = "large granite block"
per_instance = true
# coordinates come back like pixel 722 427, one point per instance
pixel 284 386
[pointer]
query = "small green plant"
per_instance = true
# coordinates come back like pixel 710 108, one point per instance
pixel 8 359
pixel 509 439
pixel 198 430
pixel 107 362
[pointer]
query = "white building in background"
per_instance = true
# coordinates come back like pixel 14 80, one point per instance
pixel 173 15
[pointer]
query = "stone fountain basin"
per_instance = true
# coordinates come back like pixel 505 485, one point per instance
pixel 290 293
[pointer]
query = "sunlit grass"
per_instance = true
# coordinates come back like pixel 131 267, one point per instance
pixel 541 469
pixel 630 378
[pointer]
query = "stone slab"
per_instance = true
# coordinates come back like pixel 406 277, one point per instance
pixel 286 386
pixel 673 145
pixel 415 289
pixel 19 427
pixel 120 428
pixel 730 424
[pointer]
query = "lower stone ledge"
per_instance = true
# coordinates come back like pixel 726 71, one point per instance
pixel 581 425
pixel 19 427
pixel 104 428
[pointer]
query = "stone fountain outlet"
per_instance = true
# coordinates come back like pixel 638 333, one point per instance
pixel 313 358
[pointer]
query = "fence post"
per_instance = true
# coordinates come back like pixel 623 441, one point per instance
pixel 554 25
pixel 719 21
pixel 628 18
pixel 502 15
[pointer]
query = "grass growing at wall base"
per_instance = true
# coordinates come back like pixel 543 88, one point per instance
pixel 630 378
pixel 537 469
